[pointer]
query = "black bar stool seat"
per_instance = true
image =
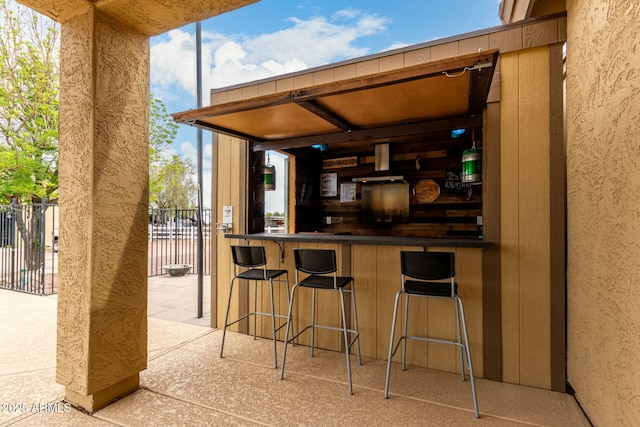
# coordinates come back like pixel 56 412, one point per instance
pixel 429 289
pixel 325 282
pixel 253 258
pixel 260 274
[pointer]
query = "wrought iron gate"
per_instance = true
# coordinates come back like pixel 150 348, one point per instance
pixel 28 245
pixel 173 239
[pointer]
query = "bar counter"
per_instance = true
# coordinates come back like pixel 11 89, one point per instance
pixel 351 239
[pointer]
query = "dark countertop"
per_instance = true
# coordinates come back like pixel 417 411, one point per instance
pixel 364 240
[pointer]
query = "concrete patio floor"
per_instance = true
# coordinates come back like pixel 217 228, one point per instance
pixel 187 384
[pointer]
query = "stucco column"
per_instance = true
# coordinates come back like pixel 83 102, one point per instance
pixel 103 173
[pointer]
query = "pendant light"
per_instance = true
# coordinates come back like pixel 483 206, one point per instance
pixel 472 164
pixel 268 176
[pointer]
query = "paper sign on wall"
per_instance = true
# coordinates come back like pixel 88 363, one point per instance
pixel 348 192
pixel 328 184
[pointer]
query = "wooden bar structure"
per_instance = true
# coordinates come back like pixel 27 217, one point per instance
pixel 507 100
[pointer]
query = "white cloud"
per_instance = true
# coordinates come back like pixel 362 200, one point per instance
pixel 229 60
pixel 167 153
pixel 190 151
pixel 345 14
pixel 173 63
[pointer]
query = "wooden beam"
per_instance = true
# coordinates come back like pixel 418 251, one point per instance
pixel 220 129
pixel 321 111
pixel 371 134
pixel 479 86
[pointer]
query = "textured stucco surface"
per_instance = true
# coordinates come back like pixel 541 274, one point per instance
pixel 148 17
pixel 603 164
pixel 104 203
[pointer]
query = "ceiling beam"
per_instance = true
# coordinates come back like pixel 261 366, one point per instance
pixel 371 134
pixel 321 111
pixel 220 129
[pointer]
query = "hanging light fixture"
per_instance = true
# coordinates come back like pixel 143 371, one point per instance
pixel 268 176
pixel 472 164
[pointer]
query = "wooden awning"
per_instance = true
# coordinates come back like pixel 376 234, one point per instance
pixel 431 97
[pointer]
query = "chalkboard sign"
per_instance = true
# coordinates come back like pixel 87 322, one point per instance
pixel 454 185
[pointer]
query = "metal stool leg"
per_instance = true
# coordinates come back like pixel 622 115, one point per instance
pixel 346 339
pixel 468 354
pixel 355 320
pixel 404 332
pixel 459 339
pixel 293 329
pixel 273 327
pixel 286 341
pixel 255 307
pixel 313 320
pixel 226 317
pixel 391 342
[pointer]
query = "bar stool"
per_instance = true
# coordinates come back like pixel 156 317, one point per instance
pixel 253 258
pixel 320 264
pixel 420 272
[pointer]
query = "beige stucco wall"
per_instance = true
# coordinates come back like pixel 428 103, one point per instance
pixel 146 17
pixel 603 164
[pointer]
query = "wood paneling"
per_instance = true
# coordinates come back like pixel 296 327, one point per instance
pixel 469 274
pixel 533 165
pixel 509 239
pixel 525 229
pixel 231 171
pixel 364 264
pixel 223 254
pixel 491 262
pixel 387 274
pixel 557 199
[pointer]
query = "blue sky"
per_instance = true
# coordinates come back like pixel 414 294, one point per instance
pixel 275 37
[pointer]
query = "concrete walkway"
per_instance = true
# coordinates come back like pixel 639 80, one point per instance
pixel 188 384
pixel 175 299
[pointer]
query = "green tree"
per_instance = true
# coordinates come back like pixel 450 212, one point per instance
pixel 29 63
pixel 176 186
pixel 171 181
pixel 162 130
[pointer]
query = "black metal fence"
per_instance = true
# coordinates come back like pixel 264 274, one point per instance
pixel 173 239
pixel 29 244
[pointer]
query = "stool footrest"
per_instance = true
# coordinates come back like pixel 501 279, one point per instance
pixel 331 328
pixel 436 340
pixel 258 313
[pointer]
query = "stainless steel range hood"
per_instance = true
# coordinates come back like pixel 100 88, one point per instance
pixel 382 164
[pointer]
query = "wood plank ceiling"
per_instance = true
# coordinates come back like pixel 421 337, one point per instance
pixel 430 97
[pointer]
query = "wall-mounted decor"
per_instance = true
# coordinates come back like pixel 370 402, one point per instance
pixel 343 162
pixel 328 184
pixel 348 192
